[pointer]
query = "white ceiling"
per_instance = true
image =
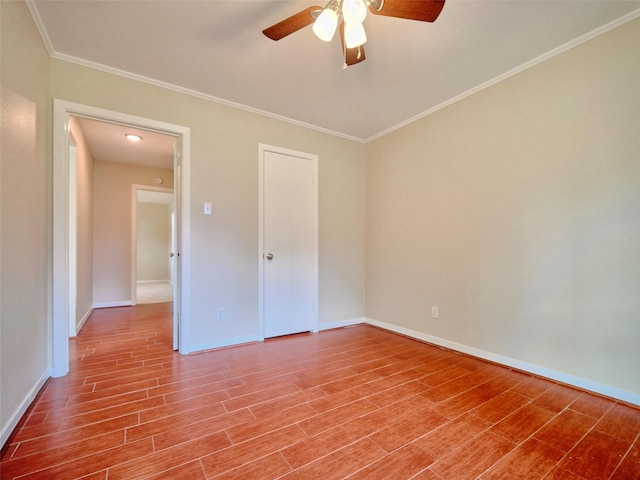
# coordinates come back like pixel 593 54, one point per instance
pixel 216 49
pixel 107 142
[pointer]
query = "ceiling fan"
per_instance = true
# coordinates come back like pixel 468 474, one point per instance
pixel 347 16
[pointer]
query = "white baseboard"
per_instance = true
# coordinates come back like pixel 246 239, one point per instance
pixel 7 429
pixel 583 383
pixel 343 323
pixel 83 320
pixel 230 342
pixel 124 303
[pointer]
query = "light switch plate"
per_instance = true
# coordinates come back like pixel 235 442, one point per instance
pixel 207 208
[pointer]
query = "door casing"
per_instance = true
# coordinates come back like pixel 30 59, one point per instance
pixel 73 232
pixel 62 110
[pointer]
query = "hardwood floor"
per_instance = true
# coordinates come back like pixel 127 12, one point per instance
pixel 357 403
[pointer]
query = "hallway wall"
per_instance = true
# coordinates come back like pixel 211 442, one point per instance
pixel 113 196
pixel 84 254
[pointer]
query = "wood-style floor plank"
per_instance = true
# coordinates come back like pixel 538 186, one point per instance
pixel 357 403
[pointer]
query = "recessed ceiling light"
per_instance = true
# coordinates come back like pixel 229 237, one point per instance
pixel 133 137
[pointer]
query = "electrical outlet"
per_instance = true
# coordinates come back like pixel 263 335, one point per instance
pixel 434 312
pixel 220 314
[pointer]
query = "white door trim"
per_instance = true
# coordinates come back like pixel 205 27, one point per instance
pixel 73 236
pixel 59 335
pixel 262 149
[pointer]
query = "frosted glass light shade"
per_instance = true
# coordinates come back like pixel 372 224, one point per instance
pixel 354 11
pixel 325 25
pixel 354 35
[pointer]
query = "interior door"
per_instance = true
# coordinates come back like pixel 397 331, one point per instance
pixel 289 252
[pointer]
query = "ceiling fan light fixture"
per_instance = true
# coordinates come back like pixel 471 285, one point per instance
pixel 326 24
pixel 354 35
pixel 350 15
pixel 354 11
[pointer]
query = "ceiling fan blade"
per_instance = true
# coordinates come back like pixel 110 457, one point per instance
pixel 291 24
pixel 422 10
pixel 352 56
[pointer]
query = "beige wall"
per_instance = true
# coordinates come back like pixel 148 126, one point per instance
pixel 25 213
pixel 153 222
pixel 84 230
pixel 113 193
pixel 517 212
pixel 224 171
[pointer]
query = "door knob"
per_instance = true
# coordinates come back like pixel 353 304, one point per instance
pixel 269 256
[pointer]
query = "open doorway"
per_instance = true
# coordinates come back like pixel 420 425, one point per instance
pixel 153 245
pixel 64 273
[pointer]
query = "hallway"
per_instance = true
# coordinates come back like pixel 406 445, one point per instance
pixel 358 403
pixel 154 292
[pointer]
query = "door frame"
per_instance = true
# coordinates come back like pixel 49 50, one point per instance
pixel 62 110
pixel 73 236
pixel 262 149
pixel 135 188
